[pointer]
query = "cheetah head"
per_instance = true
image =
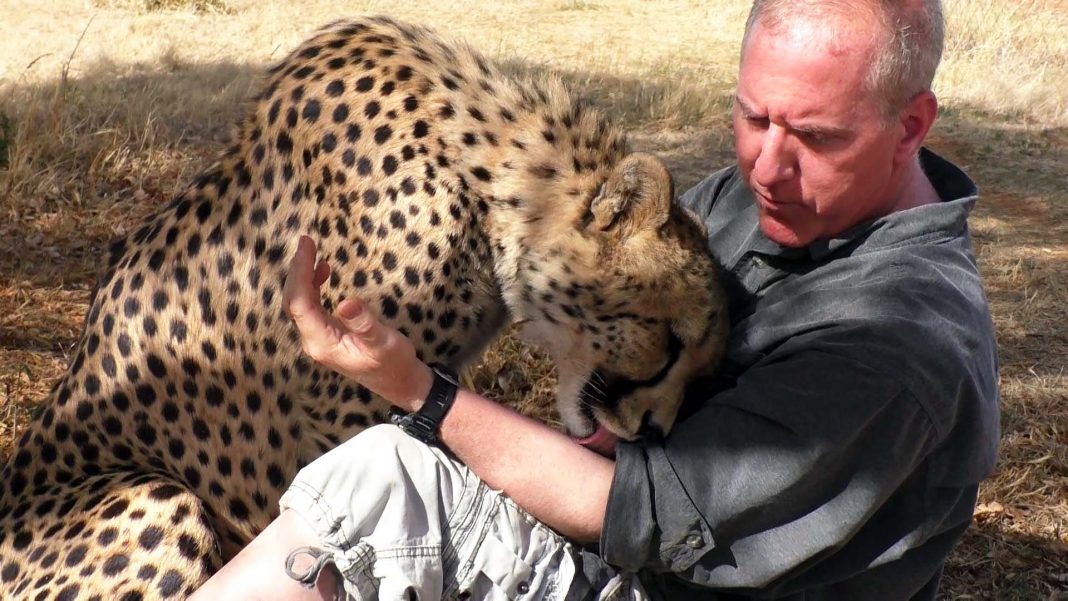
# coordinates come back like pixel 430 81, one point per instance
pixel 626 301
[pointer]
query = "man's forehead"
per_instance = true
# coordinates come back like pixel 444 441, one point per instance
pixel 818 74
pixel 834 36
pixel 829 29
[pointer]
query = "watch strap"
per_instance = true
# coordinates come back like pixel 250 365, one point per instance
pixel 425 423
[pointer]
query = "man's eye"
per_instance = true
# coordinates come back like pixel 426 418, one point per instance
pixel 758 121
pixel 815 138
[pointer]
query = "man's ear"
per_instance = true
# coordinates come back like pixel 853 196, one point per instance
pixel 637 196
pixel 916 120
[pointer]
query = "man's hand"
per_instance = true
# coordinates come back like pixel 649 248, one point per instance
pixel 352 342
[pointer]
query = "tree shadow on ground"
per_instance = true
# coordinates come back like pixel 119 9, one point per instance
pixel 995 564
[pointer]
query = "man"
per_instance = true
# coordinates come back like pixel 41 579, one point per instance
pixel 838 454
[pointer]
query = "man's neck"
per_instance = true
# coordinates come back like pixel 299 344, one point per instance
pixel 916 190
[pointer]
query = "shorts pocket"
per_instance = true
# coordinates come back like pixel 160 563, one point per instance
pixel 408 574
pixel 499 566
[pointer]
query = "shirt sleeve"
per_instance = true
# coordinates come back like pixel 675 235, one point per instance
pixel 767 477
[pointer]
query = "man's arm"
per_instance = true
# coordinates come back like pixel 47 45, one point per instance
pixel 546 473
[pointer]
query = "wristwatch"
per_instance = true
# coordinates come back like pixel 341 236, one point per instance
pixel 425 423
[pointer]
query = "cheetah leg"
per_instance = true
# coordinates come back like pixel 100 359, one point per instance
pixel 121 536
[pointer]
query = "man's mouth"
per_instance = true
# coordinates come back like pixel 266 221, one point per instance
pixel 771 203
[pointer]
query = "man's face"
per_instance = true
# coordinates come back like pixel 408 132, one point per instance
pixel 809 137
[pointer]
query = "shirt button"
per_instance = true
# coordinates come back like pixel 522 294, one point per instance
pixel 695 541
pixel 523 588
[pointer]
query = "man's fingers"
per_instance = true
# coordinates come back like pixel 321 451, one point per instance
pixel 301 292
pixel 360 322
pixel 322 272
pixel 352 329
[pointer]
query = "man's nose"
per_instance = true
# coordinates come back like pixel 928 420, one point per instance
pixel 776 163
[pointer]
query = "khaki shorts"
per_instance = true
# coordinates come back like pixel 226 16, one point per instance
pixel 403 520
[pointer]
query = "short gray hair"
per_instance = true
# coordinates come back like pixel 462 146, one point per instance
pixel 905 62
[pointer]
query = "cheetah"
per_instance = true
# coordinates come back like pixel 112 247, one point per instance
pixel 451 198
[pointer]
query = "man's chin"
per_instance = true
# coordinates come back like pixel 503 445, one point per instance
pixel 783 233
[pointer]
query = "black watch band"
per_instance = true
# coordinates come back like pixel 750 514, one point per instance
pixel 425 423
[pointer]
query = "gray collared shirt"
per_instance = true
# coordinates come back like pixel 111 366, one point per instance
pixel 838 453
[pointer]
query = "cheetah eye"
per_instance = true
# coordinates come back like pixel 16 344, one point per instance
pixel 609 387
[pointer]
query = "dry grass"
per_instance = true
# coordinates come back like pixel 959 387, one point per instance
pixel 146 6
pixel 107 106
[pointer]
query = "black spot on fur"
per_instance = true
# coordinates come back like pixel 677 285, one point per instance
pixel 150 537
pixel 188 547
pixel 364 84
pixel 341 113
pixel 311 111
pixel 371 109
pixel 146 395
pixel 329 144
pixel 115 564
pixel 481 173
pixel 284 143
pixel 107 536
pixel 238 509
pixel 389 307
pixel 92 384
pixel 170 584
pixel 389 164
pixel 382 134
pixel 68 593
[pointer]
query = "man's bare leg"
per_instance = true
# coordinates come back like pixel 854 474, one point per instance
pixel 258 572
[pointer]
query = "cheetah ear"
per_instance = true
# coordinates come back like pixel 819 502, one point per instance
pixel 637 196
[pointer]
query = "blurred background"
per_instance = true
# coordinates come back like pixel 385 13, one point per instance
pixel 108 106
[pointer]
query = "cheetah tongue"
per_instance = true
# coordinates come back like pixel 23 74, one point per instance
pixel 602 441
